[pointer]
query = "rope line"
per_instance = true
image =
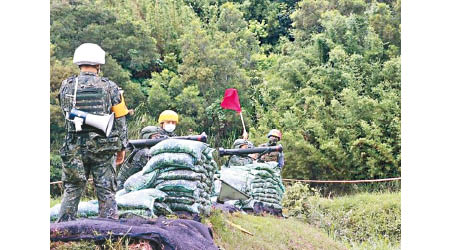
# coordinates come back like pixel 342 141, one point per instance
pixel 311 181
pixel 351 181
pixel 60 182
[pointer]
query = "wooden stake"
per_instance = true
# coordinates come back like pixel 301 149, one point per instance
pixel 238 227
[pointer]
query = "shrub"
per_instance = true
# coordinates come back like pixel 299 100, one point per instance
pixel 354 219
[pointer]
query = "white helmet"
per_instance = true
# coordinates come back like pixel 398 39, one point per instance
pixel 90 54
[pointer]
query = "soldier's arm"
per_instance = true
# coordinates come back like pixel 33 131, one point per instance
pixel 120 122
pixel 281 160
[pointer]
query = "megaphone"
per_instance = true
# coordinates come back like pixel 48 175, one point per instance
pixel 102 122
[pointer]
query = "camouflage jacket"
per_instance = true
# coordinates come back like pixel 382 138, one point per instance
pixel 272 156
pixel 133 165
pixel 237 160
pixel 95 95
pixel 164 133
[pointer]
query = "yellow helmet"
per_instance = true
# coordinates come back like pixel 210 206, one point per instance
pixel 168 115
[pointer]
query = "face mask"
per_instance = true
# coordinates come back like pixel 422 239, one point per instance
pixel 273 141
pixel 169 127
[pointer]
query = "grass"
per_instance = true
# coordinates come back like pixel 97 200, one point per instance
pixel 362 221
pixel 269 232
pixel 368 220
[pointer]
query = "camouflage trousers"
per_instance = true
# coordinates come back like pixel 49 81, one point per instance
pixel 79 161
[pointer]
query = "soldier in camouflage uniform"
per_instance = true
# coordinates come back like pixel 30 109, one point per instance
pixel 274 137
pixel 168 121
pixel 88 150
pixel 139 158
pixel 241 160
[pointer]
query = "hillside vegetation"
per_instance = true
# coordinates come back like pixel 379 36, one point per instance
pixel 324 72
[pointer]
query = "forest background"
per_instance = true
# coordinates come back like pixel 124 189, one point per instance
pixel 326 73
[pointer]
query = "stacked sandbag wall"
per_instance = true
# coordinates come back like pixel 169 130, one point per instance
pixel 185 171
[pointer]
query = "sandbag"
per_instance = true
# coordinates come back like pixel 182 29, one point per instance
pixel 194 148
pixel 169 159
pixel 141 199
pixel 194 208
pixel 178 185
pixel 182 175
pixel 195 168
pixel 140 180
pixel 85 209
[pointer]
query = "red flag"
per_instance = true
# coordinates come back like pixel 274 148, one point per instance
pixel 231 100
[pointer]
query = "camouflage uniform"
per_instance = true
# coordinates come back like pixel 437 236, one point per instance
pixel 237 160
pixel 241 160
pixel 89 150
pixel 138 159
pixel 167 134
pixel 272 156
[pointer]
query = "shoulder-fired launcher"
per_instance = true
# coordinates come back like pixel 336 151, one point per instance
pixel 143 143
pixel 246 151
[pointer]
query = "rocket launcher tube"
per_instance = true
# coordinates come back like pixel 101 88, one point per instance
pixel 246 151
pixel 143 143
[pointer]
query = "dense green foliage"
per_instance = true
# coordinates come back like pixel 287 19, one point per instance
pixel 369 218
pixel 324 72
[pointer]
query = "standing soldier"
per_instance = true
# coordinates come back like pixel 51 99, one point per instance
pixel 168 121
pixel 241 160
pixel 137 159
pixel 274 137
pixel 87 150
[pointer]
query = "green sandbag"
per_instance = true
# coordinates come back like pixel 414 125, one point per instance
pixel 183 200
pixel 208 152
pixel 162 208
pixel 182 194
pixel 195 168
pixel 194 208
pixel 263 185
pixel 261 173
pixel 85 209
pixel 263 195
pixel 182 175
pixel 140 180
pixel 265 180
pixel 269 200
pixel 263 190
pixel 141 199
pixel 178 185
pixel 141 212
pixel 168 159
pixel 276 206
pixel 194 148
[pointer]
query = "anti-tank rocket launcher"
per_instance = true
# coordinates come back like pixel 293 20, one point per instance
pixel 246 151
pixel 147 143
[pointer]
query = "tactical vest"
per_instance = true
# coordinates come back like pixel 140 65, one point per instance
pixel 92 96
pixel 272 156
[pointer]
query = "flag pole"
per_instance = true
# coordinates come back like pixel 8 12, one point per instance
pixel 242 119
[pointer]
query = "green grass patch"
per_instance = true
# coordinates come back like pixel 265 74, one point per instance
pixel 360 221
pixel 269 232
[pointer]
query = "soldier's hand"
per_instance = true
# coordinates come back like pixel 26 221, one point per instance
pixel 245 135
pixel 120 157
